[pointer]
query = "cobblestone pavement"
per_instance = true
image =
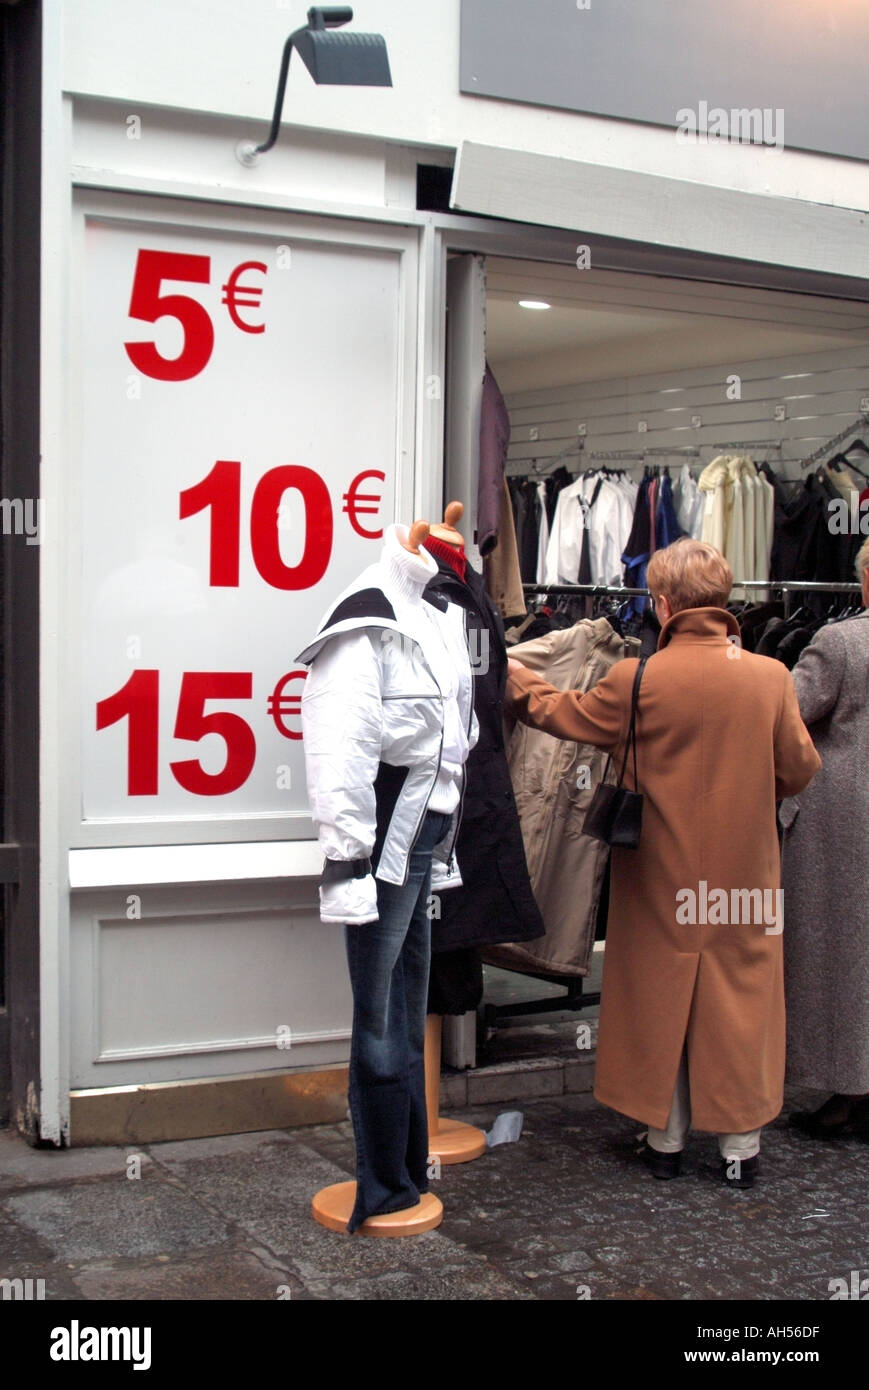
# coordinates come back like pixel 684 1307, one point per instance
pixel 566 1213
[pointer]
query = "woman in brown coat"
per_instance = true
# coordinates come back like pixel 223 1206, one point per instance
pixel 692 1025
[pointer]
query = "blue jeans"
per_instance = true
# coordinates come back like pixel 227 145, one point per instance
pixel 389 966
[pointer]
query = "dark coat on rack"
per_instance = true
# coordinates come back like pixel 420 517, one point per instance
pixel 496 903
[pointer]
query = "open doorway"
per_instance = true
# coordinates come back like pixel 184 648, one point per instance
pixel 631 372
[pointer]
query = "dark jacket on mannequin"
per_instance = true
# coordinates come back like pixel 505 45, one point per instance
pixel 496 903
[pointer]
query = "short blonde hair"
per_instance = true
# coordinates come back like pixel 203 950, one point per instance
pixel 690 574
pixel 862 560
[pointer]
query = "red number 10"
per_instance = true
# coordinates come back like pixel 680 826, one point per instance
pixel 221 491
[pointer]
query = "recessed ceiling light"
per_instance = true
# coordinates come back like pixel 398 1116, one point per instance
pixel 534 304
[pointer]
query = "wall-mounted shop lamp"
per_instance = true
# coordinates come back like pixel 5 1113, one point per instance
pixel 344 60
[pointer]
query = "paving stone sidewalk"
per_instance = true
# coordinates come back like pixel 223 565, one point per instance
pixel 566 1213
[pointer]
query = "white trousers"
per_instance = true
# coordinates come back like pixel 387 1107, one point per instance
pixel 672 1139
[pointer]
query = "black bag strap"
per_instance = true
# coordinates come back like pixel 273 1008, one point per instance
pixel 632 729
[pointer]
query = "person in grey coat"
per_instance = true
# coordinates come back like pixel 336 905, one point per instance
pixel 826 881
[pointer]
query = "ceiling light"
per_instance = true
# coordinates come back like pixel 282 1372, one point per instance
pixel 534 304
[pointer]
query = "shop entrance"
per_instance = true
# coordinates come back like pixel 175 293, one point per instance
pixel 608 369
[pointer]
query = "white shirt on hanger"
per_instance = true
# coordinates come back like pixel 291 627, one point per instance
pixel 609 526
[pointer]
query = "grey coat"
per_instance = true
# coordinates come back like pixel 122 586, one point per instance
pixel 825 869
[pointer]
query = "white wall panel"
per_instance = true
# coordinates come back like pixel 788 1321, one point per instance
pixel 204 983
pixel 820 394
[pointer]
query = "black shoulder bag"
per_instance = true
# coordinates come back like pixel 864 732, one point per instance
pixel 615 815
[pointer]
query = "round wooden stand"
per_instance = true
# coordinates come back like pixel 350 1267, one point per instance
pixel 451 1141
pixel 333 1207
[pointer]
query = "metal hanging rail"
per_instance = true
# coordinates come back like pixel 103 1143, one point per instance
pixel 615 454
pixel 804 586
pixel 859 423
pixel 747 444
pixel 660 451
pixel 785 587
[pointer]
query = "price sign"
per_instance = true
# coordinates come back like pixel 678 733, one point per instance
pixel 240 426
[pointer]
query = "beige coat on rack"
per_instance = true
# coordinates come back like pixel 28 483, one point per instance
pixel 738 516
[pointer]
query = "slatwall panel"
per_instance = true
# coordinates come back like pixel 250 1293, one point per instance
pixel 820 394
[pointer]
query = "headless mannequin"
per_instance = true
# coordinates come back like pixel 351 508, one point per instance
pixel 332 1206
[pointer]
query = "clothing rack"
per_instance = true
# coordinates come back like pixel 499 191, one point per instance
pixel 575 999
pixel 785 587
pixel 637 456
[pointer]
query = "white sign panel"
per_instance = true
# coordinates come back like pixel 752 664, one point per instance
pixel 240 437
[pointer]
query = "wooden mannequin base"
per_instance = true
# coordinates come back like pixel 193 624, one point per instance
pixel 456 1142
pixel 333 1207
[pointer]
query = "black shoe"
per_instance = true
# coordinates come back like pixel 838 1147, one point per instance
pixel 739 1172
pixel 834 1118
pixel 662 1165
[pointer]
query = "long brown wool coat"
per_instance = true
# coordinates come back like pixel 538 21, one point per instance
pixel 720 739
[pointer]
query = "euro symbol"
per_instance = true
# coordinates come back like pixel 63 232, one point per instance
pixel 358 503
pixel 232 291
pixel 281 704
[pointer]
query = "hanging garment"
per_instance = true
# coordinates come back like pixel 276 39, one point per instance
pixel 526 514
pixel 736 503
pixel 636 553
pixel 610 522
pixel 764 519
pixel 501 565
pixel 826 939
pixel 667 528
pixel 494 442
pixel 753 620
pixel 495 903
pixel 556 482
pixel 597 510
pixel 719 741
pixel 688 503
pixel 564 550
pixel 542 534
pixel 735 516
pixel 554 784
pixel 803 545
pixel 455 982
pixel 653 515
pixel 713 485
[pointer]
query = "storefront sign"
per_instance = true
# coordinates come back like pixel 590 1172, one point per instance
pixel 239 445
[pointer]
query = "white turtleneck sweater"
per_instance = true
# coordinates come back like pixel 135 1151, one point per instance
pixel 442 638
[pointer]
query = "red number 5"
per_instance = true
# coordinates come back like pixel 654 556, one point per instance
pixel 146 303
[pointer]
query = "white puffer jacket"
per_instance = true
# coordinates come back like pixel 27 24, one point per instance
pixel 387 722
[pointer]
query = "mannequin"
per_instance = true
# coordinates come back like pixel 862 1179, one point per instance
pixel 494 902
pixel 387 717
